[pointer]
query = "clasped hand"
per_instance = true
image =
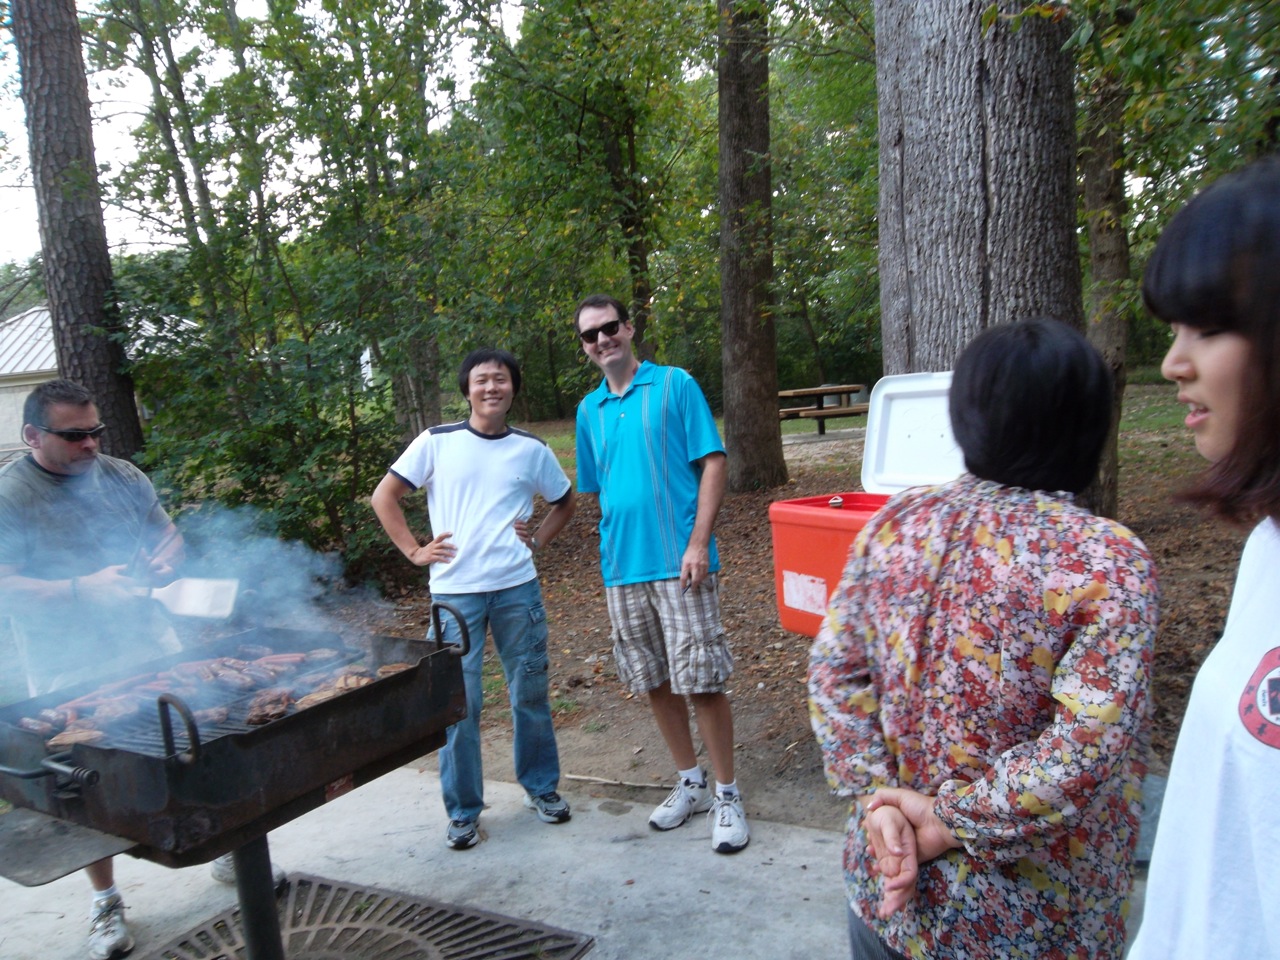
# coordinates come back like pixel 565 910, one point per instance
pixel 903 833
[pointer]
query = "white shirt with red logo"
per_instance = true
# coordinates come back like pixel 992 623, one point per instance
pixel 1213 889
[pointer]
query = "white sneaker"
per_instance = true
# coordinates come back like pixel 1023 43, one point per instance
pixel 108 935
pixel 729 832
pixel 224 871
pixel 682 803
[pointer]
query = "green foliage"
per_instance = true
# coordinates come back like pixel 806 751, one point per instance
pixel 334 190
pixel 826 186
pixel 1204 97
pixel 21 287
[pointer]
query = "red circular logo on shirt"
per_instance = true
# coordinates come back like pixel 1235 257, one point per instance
pixel 1260 704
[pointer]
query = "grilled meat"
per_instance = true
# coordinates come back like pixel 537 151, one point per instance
pixel 211 716
pixel 72 735
pixel 39 727
pixel 268 705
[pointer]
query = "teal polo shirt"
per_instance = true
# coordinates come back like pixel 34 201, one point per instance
pixel 637 452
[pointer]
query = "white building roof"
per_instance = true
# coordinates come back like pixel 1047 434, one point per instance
pixel 26 346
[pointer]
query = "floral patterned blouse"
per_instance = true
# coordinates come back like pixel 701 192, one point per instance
pixel 991 646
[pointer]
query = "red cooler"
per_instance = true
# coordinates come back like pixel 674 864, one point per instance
pixel 908 443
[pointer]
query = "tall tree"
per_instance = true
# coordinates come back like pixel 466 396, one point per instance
pixel 748 345
pixel 1104 96
pixel 977 177
pixel 73 237
pixel 590 100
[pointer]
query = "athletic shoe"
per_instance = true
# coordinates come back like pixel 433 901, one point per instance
pixel 729 832
pixel 682 803
pixel 461 834
pixel 550 807
pixel 108 935
pixel 224 871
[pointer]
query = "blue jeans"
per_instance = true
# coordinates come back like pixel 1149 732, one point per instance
pixel 518 621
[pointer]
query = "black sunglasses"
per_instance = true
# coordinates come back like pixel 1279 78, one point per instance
pixel 75 436
pixel 608 329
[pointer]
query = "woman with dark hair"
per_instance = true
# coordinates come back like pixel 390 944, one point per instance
pixel 1213 889
pixel 980 684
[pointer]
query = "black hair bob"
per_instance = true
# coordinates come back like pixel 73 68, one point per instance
pixel 1031 406
pixel 488 355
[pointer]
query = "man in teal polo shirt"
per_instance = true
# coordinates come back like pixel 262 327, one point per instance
pixel 647 444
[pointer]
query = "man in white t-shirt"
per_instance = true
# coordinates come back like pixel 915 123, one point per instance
pixel 480 476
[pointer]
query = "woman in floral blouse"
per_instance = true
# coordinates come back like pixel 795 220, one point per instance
pixel 984 669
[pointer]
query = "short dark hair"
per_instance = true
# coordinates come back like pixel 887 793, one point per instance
pixel 1217 266
pixel 35 409
pixel 1031 406
pixel 600 300
pixel 488 355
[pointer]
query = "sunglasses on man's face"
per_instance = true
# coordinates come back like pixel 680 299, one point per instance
pixel 75 436
pixel 608 329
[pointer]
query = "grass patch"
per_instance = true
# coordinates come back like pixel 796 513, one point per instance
pixel 493 684
pixel 1146 376
pixel 595 726
pixel 565 706
pixel 1152 409
pixel 810 426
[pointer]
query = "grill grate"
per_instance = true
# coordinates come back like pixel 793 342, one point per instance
pixel 327 920
pixel 140 732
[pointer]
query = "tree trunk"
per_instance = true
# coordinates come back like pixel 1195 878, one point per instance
pixel 749 345
pixel 415 387
pixel 977 186
pixel 77 264
pixel 1102 166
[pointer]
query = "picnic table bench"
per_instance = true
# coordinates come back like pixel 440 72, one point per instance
pixel 816 408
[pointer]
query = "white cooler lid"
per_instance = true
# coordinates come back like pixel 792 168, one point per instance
pixel 909 441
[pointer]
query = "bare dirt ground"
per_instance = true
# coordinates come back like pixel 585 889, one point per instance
pixel 609 745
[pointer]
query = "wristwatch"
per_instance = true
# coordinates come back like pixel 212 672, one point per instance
pixel 535 543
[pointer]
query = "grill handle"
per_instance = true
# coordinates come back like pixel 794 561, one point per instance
pixel 164 703
pixel 54 766
pixel 457 649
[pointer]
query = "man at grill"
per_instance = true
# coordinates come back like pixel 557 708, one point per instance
pixel 480 477
pixel 82 535
pixel 82 538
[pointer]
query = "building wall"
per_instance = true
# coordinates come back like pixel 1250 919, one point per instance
pixel 13 393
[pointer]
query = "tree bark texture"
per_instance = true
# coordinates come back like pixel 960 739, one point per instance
pixel 73 237
pixel 1102 167
pixel 748 341
pixel 977 177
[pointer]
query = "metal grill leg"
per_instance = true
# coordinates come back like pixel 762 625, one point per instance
pixel 255 889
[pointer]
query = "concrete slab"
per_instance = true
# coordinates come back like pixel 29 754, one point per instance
pixel 641 894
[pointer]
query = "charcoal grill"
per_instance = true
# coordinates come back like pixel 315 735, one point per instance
pixel 167 790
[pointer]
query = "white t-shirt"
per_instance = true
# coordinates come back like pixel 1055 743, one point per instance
pixel 1213 889
pixel 477 487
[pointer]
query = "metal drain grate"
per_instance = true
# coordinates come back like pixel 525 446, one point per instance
pixel 327 920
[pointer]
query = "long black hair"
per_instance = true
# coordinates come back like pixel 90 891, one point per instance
pixel 1216 266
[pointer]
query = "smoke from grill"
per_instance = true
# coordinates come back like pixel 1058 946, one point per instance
pixel 281 584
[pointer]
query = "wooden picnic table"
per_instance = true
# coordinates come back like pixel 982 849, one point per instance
pixel 816 408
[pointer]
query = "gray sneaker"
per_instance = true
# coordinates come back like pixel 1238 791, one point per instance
pixel 224 871
pixel 729 832
pixel 461 834
pixel 550 807
pixel 108 935
pixel 682 803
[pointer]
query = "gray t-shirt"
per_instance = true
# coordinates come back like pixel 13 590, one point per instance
pixel 54 527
